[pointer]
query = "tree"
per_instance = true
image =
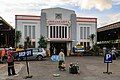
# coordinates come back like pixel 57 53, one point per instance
pixel 92 36
pixel 42 42
pixel 27 42
pixel 17 37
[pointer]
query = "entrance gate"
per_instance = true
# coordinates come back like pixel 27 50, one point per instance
pixel 57 46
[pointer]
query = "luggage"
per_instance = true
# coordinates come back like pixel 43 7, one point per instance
pixel 73 69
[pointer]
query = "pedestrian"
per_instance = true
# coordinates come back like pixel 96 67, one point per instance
pixel 10 61
pixel 113 54
pixel 61 60
pixel 3 52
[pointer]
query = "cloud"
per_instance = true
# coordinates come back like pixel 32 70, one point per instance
pixel 10 8
pixel 115 17
pixel 116 2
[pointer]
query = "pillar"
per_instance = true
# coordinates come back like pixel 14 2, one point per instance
pixel 68 49
pixel 48 48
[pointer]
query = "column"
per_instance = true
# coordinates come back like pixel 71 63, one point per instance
pixel 48 48
pixel 68 49
pixel 64 31
pixel 67 32
pixel 55 32
pixel 48 31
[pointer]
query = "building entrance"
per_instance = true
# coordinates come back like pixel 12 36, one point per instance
pixel 55 48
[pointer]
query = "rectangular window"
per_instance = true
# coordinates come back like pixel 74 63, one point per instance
pixel 25 31
pixel 84 32
pixel 53 31
pixel 81 32
pixel 29 31
pixel 81 43
pixel 33 32
pixel 50 31
pixel 59 31
pixel 88 32
pixel 65 32
pixel 62 31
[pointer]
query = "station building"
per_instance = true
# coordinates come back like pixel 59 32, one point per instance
pixel 61 28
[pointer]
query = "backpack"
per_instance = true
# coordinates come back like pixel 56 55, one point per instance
pixel 74 69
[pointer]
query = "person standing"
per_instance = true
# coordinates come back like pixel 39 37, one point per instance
pixel 113 54
pixel 3 54
pixel 61 60
pixel 10 61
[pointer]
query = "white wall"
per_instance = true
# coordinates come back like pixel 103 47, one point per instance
pixel 20 27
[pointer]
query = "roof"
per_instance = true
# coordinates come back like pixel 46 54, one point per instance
pixel 3 21
pixel 108 27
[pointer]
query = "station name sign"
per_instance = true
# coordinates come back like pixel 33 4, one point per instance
pixel 58 22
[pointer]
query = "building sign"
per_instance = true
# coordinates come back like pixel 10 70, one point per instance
pixel 58 22
pixel 108 58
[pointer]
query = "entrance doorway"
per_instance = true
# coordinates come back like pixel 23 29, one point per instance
pixel 57 46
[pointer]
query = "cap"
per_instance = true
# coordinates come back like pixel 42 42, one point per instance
pixel 10 48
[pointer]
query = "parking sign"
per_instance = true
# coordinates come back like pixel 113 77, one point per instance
pixel 108 58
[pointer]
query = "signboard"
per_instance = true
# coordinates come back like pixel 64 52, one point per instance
pixel 25 53
pixel 108 58
pixel 78 48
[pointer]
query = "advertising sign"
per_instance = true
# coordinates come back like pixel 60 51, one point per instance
pixel 25 53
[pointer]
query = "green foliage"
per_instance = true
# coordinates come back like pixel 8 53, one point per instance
pixel 17 37
pixel 42 42
pixel 95 49
pixel 27 42
pixel 92 36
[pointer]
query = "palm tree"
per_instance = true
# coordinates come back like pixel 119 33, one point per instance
pixel 27 42
pixel 92 36
pixel 17 37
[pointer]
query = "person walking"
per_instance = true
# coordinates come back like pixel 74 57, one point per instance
pixel 3 52
pixel 61 60
pixel 10 61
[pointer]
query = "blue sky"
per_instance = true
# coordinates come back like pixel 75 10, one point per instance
pixel 106 11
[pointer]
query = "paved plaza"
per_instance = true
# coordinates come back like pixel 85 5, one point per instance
pixel 91 68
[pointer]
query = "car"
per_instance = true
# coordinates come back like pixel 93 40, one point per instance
pixel 38 54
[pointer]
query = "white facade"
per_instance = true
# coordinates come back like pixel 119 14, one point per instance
pixel 59 26
pixel 29 27
pixel 86 27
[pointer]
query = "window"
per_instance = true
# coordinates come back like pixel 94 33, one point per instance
pixel 58 16
pixel 81 32
pixel 65 32
pixel 25 31
pixel 62 31
pixel 88 32
pixel 33 32
pixel 84 32
pixel 51 32
pixel 59 31
pixel 30 31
